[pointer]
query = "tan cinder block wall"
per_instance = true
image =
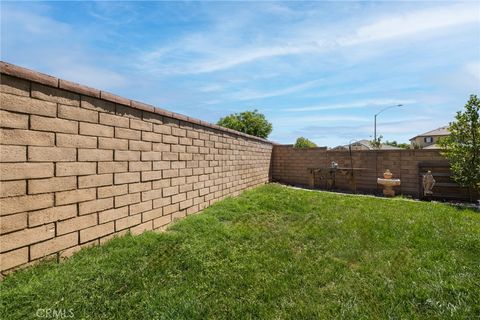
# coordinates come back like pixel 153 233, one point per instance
pixel 290 165
pixel 79 165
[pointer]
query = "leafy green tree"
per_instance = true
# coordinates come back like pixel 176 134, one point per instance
pixel 304 143
pixel 250 122
pixel 462 146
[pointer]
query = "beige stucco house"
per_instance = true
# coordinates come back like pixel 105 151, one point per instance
pixel 428 140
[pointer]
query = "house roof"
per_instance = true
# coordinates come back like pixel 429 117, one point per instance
pixel 442 131
pixel 388 147
pixel 367 144
pixel 432 146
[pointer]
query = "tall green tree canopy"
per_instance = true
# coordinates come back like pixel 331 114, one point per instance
pixel 462 146
pixel 250 122
pixel 304 143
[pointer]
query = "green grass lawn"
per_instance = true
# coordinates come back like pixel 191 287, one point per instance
pixel 272 253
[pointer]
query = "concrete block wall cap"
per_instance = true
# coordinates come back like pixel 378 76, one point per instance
pixel 217 127
pixel 163 112
pixel 78 88
pixel 179 116
pixel 244 134
pixel 203 123
pixel 114 98
pixel 142 106
pixel 27 74
pixel 194 121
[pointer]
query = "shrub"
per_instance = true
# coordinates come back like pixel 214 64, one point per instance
pixel 462 146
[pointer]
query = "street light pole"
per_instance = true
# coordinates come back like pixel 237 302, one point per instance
pixel 375 120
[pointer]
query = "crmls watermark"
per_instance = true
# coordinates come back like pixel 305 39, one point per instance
pixel 49 313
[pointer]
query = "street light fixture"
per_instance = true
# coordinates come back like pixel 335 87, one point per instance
pixel 375 119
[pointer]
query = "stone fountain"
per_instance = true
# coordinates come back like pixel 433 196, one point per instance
pixel 388 183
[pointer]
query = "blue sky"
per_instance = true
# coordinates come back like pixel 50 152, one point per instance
pixel 315 69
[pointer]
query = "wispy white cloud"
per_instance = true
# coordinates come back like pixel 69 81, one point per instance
pixel 121 13
pixel 89 74
pixel 364 131
pixel 352 105
pixel 413 23
pixel 63 57
pixel 473 69
pixel 34 24
pixel 225 57
pixel 232 59
pixel 289 120
pixel 215 58
pixel 212 87
pixel 256 95
pixel 204 52
pixel 342 132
